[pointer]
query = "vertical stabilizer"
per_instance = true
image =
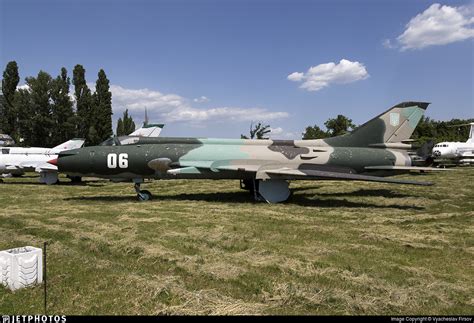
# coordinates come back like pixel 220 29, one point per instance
pixel 470 140
pixel 393 126
pixel 149 130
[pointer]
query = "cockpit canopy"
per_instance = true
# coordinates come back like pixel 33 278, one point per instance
pixel 120 141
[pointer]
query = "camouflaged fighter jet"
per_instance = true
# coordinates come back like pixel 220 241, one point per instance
pixel 374 150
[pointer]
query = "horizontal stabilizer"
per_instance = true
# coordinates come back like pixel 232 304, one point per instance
pixel 70 144
pixel 46 167
pixel 395 145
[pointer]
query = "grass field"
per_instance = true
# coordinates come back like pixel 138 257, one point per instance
pixel 204 247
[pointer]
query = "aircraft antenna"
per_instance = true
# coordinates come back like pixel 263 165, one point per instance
pixel 145 123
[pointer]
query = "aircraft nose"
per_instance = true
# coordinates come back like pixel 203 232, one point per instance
pixel 436 153
pixel 53 162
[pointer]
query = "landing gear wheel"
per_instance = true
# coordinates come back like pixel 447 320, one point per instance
pixel 144 195
pixel 272 190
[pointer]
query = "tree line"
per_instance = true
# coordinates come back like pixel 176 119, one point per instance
pixel 439 131
pixel 43 113
pixel 427 130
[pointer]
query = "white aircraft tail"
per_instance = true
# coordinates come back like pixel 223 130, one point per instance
pixel 470 140
pixel 70 144
pixel 149 130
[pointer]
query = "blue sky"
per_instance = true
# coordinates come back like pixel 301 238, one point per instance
pixel 208 68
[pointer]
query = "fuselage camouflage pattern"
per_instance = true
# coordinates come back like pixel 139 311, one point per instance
pixel 377 148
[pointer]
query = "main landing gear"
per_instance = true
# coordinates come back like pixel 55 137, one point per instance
pixel 142 195
pixel 270 190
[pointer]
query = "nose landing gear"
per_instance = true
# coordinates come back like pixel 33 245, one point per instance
pixel 142 195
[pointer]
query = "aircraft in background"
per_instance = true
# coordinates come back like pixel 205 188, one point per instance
pixel 6 141
pixel 456 152
pixel 372 151
pixel 17 160
pixel 147 130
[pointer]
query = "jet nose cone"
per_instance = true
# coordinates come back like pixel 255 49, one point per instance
pixel 53 162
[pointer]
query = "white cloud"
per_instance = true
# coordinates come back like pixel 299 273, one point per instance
pixel 387 43
pixel 438 25
pixel 323 75
pixel 201 99
pixel 276 131
pixel 23 87
pixel 174 108
pixel 280 133
pixel 296 76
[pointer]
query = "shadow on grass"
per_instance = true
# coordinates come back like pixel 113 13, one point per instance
pixel 91 184
pixel 365 192
pixel 244 197
pixel 105 198
pixel 303 200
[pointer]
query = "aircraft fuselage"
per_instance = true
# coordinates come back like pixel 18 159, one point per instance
pixel 188 154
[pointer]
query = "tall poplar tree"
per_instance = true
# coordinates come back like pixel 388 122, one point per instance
pixel 62 111
pixel 41 118
pixel 83 101
pixel 9 114
pixel 102 108
pixel 25 116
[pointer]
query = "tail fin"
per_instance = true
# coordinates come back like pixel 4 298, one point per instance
pixel 393 126
pixel 148 130
pixel 70 144
pixel 470 140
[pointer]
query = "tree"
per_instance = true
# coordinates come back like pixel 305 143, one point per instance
pixel 102 108
pixel 62 112
pixel 314 132
pixel 125 125
pixel 83 101
pixel 9 114
pixel 25 116
pixel 440 131
pixel 258 132
pixel 119 131
pixel 339 126
pixel 92 137
pixel 2 109
pixel 128 124
pixel 41 118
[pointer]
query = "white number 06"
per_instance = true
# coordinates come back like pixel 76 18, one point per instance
pixel 122 160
